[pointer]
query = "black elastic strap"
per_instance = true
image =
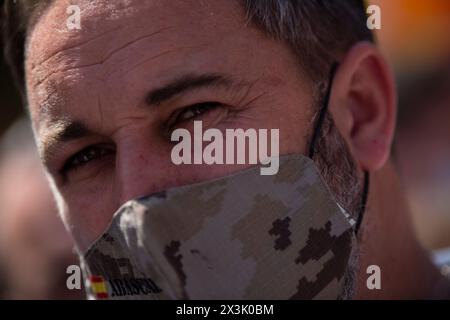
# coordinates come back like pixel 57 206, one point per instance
pixel 315 137
pixel 323 112
pixel 364 197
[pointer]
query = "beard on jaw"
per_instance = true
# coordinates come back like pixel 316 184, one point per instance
pixel 340 172
pixel 333 157
pixel 338 168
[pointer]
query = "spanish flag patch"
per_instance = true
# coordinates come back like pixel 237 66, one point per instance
pixel 98 287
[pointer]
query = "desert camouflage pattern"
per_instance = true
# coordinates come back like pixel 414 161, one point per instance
pixel 245 236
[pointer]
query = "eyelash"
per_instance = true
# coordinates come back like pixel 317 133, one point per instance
pixel 196 109
pixel 87 155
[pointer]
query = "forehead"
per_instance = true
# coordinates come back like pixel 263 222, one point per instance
pixel 119 39
pixel 105 20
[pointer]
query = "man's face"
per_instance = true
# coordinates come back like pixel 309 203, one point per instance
pixel 105 98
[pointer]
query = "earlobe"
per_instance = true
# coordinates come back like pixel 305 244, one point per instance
pixel 363 104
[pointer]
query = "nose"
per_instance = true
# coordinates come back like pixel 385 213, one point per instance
pixel 143 165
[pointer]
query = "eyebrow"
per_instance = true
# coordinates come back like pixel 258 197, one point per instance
pixel 187 83
pixel 72 130
pixel 62 131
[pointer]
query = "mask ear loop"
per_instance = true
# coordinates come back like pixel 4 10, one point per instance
pixel 323 112
pixel 316 133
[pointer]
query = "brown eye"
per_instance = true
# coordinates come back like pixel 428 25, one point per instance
pixel 85 156
pixel 196 110
pixel 209 112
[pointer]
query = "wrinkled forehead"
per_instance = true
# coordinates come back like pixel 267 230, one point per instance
pixel 107 27
pixel 54 30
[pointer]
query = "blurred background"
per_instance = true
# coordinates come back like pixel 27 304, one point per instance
pixel 35 250
pixel 416 40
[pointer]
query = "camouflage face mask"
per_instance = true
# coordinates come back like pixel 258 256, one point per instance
pixel 245 236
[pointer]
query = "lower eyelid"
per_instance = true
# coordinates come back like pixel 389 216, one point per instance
pixel 67 168
pixel 218 113
pixel 89 169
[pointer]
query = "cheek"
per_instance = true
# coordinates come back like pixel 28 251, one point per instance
pixel 296 125
pixel 292 122
pixel 293 139
pixel 288 109
pixel 88 215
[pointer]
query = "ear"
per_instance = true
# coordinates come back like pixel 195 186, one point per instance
pixel 363 105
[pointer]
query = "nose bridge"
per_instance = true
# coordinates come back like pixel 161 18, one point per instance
pixel 137 165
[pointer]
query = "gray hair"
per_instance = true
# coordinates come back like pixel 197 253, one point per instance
pixel 320 32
